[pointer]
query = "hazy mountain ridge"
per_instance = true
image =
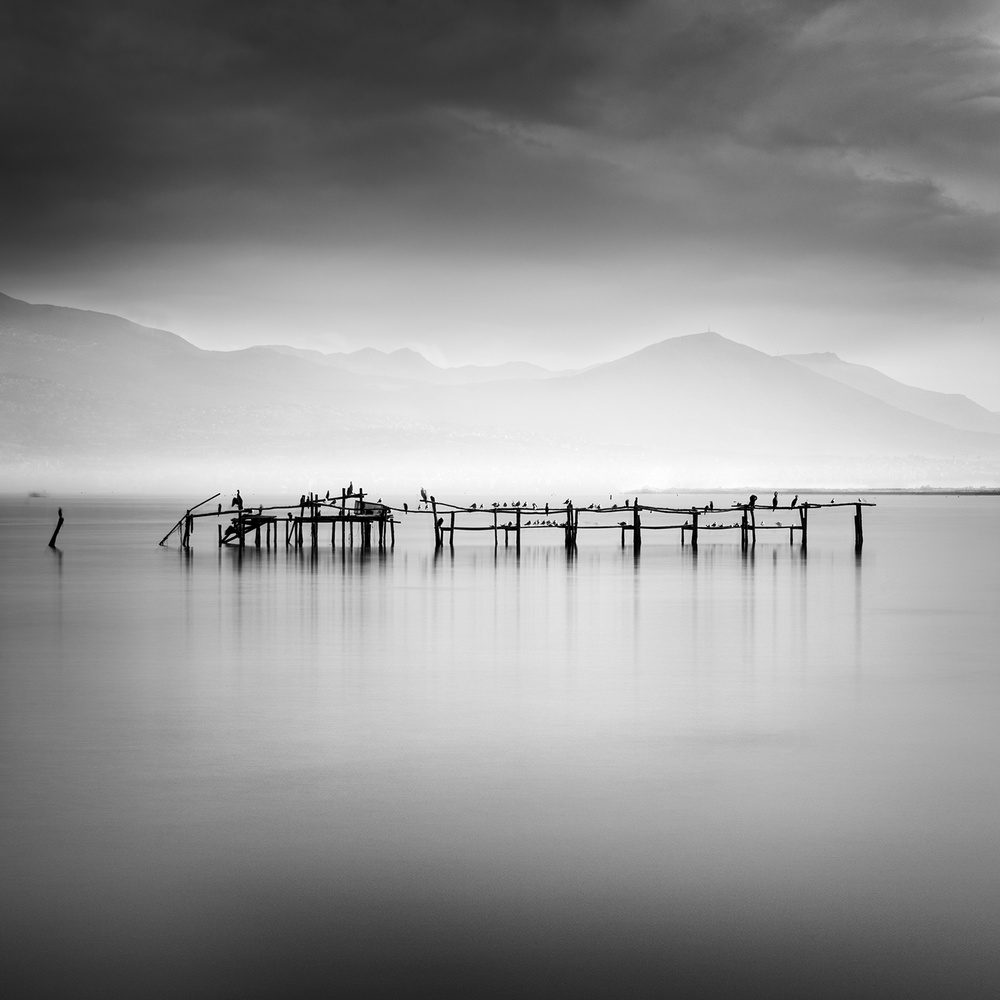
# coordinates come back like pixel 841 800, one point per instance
pixel 80 394
pixel 406 363
pixel 949 408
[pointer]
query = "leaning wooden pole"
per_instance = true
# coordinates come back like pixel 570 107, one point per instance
pixel 59 524
pixel 181 520
pixel 437 527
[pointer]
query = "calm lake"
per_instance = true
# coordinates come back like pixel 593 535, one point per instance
pixel 243 775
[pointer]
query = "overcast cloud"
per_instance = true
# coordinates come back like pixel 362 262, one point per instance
pixel 557 182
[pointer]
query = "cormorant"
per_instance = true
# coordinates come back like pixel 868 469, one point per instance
pixel 774 502
pixel 795 500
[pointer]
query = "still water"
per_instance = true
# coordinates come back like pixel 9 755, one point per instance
pixel 229 775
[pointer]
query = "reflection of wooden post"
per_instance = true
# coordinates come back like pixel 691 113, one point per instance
pixel 55 534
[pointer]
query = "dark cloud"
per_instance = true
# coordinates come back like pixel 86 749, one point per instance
pixel 585 130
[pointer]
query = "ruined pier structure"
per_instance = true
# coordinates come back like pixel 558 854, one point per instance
pixel 513 520
pixel 304 523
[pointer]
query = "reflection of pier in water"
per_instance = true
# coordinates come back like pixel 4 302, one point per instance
pixel 304 522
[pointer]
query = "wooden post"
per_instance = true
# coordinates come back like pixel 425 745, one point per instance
pixel 859 534
pixel 219 526
pixel 623 534
pixel 451 532
pixel 694 530
pixel 743 530
pixel 517 535
pixel 569 525
pixel 804 518
pixel 242 531
pixel 186 540
pixel 256 536
pixel 753 527
pixel 437 529
pixel 496 534
pixel 636 525
pixel 392 532
pixel 55 534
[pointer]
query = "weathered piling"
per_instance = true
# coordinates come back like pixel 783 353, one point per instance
pixel 55 534
pixel 694 529
pixel 636 526
pixel 859 534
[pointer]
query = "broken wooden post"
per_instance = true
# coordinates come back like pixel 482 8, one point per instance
pixel 55 534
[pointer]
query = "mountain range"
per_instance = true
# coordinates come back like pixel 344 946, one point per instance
pixel 94 402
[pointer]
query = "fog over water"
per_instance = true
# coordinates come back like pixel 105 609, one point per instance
pixel 244 774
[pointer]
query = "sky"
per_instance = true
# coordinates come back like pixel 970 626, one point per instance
pixel 507 180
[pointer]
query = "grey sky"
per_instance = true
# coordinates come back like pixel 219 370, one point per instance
pixel 556 182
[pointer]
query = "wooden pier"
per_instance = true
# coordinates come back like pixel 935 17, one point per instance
pixel 566 519
pixel 303 524
pixel 374 524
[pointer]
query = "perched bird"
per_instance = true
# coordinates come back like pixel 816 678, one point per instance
pixel 774 502
pixel 406 507
pixel 795 500
pixel 423 494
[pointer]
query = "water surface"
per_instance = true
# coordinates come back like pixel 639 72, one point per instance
pixel 229 774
